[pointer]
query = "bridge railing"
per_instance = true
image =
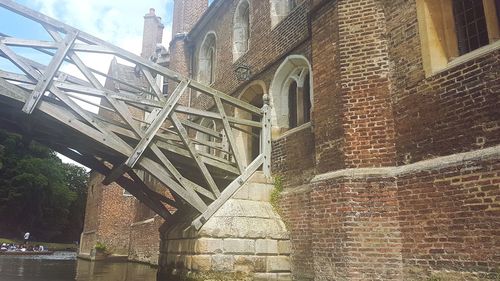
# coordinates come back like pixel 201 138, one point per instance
pixel 134 125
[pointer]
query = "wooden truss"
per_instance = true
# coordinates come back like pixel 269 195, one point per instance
pixel 138 129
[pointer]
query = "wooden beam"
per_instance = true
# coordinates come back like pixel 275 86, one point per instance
pixel 234 186
pixel 230 137
pixel 46 77
pixel 147 138
pixel 152 83
pixel 266 138
pixel 194 154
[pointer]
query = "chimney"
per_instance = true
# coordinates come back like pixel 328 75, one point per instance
pixel 152 33
pixel 186 14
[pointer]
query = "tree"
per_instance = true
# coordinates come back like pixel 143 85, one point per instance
pixel 37 191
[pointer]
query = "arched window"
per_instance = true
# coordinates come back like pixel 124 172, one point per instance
pixel 248 138
pixel 291 94
pixel 241 29
pixel 280 10
pixel 205 139
pixel 206 60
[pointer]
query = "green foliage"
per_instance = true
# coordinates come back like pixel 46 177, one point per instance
pixel 37 191
pixel 275 195
pixel 100 247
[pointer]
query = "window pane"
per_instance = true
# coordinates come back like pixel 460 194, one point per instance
pixel 307 100
pixel 292 105
pixel 470 25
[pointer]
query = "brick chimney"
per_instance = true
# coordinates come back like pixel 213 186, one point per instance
pixel 186 14
pixel 152 33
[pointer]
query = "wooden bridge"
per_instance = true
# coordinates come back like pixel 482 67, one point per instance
pixel 137 129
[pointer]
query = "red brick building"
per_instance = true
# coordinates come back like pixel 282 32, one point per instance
pixel 114 217
pixel 386 126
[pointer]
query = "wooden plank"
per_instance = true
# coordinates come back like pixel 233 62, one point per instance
pixel 46 77
pixel 194 154
pixel 201 128
pixel 266 138
pixel 19 9
pixel 12 41
pixel 68 119
pixel 157 123
pixel 215 116
pixel 147 138
pixel 230 137
pixel 234 186
pixel 152 84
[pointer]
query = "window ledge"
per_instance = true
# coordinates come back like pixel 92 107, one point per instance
pixel 294 130
pixel 146 221
pixel 468 57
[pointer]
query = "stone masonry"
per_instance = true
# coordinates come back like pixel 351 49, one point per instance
pixel 244 240
pixel 395 177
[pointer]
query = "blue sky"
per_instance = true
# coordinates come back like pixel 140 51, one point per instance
pixel 117 21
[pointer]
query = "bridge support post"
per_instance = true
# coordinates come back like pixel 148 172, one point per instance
pixel 245 239
pixel 266 137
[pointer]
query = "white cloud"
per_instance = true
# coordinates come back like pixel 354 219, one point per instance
pixel 118 22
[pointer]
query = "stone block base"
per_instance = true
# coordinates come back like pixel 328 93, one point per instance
pixel 244 240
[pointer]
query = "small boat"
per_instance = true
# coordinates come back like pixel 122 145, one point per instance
pixel 25 253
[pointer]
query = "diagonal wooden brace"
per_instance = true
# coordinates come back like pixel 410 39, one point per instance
pixel 149 135
pixel 46 78
pixel 230 137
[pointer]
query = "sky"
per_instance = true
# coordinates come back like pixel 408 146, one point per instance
pixel 119 22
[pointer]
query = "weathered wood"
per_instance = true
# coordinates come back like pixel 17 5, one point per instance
pixel 228 192
pixel 152 83
pixel 216 116
pixel 266 139
pixel 48 75
pixel 230 137
pixel 194 154
pixel 201 128
pixel 156 124
pixel 122 135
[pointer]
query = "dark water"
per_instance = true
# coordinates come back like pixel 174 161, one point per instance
pixel 63 266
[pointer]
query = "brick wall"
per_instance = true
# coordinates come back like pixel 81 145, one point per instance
pixel 374 108
pixel 115 217
pixel 295 205
pixel 108 217
pixel 91 222
pixel 457 106
pixel 328 106
pixel 145 240
pixel 267 45
pixel 449 220
pixel 364 77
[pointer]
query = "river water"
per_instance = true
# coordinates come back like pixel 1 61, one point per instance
pixel 63 266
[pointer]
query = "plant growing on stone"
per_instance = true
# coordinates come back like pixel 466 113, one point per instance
pixel 100 247
pixel 278 188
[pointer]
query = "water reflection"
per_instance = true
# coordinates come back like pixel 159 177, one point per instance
pixel 103 271
pixel 63 266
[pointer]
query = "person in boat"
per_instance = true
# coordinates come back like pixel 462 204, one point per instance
pixel 26 237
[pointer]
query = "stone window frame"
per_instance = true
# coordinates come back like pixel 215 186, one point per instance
pixel 295 68
pixel 206 72
pixel 438 36
pixel 255 89
pixel 238 21
pixel 280 9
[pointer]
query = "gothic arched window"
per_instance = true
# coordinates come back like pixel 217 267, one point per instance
pixel 291 94
pixel 206 60
pixel 241 29
pixel 280 10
